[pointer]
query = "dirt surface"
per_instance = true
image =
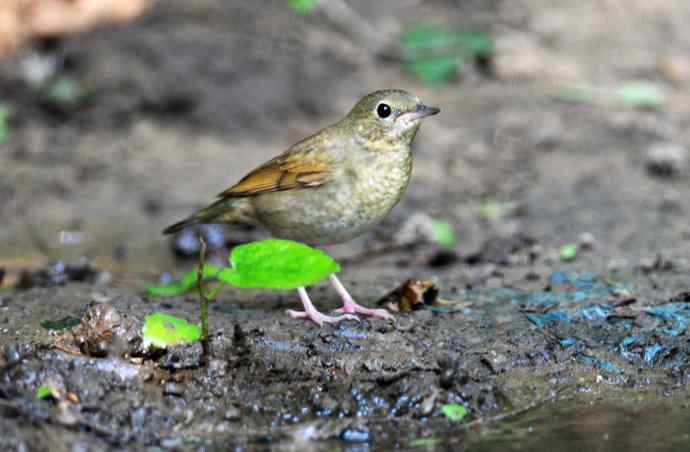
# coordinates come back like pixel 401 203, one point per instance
pixel 589 350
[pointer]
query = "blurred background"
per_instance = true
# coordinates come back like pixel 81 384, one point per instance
pixel 565 125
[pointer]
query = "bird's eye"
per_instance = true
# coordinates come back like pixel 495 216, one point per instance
pixel 383 110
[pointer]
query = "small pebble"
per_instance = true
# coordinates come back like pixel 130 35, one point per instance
pixel 173 389
pixel 587 241
pixel 666 160
pixel 356 434
pixel 232 414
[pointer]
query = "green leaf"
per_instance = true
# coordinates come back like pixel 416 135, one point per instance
pixel 187 283
pixel 5 112
pixel 569 252
pixel 277 264
pixel 435 54
pixel 454 411
pixel 495 210
pixel 443 232
pixel 66 92
pixel 64 323
pixel 43 392
pixel 302 6
pixel 163 330
pixel 641 94
pixel 425 442
pixel 435 70
pixel 576 93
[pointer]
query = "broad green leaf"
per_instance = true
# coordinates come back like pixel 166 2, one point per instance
pixel 454 411
pixel 302 6
pixel 569 252
pixel 43 392
pixel 443 232
pixel 187 282
pixel 5 112
pixel 277 264
pixel 163 330
pixel 64 323
pixel 641 94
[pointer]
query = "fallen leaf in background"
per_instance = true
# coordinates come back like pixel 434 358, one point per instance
pixel 412 294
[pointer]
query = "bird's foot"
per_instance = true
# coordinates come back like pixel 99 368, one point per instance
pixel 311 313
pixel 351 307
pixel 320 318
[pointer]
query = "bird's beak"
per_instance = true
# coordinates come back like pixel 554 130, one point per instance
pixel 421 111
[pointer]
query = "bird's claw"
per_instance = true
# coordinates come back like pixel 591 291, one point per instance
pixel 354 308
pixel 320 318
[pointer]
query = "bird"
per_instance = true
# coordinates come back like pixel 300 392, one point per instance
pixel 329 187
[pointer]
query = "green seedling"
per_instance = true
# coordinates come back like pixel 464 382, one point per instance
pixel 266 264
pixel 64 323
pixel 435 54
pixel 443 232
pixel 5 112
pixel 454 411
pixel 164 330
pixel 303 7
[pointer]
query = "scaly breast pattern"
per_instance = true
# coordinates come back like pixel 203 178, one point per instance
pixel 364 189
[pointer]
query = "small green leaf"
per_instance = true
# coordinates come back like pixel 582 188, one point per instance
pixel 641 94
pixel 43 392
pixel 425 442
pixel 569 252
pixel 277 264
pixel 163 330
pixel 302 6
pixel 64 323
pixel 443 232
pixel 5 112
pixel 188 282
pixel 435 70
pixel 435 54
pixel 454 411
pixel 66 92
pixel 577 94
pixel 495 210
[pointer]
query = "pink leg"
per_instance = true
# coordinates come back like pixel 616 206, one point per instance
pixel 311 313
pixel 350 307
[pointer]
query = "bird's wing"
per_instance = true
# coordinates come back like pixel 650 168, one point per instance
pixel 297 168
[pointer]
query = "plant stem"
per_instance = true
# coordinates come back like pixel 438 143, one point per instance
pixel 203 298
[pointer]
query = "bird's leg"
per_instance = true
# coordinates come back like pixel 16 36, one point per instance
pixel 310 312
pixel 350 307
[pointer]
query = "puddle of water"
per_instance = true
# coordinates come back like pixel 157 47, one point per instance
pixel 577 428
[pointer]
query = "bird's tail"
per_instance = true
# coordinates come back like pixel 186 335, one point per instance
pixel 180 225
pixel 236 210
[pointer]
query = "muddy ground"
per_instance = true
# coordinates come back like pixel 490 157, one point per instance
pixel 590 351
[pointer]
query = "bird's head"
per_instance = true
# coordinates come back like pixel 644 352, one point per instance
pixel 388 117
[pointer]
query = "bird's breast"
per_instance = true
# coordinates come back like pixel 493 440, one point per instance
pixel 361 193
